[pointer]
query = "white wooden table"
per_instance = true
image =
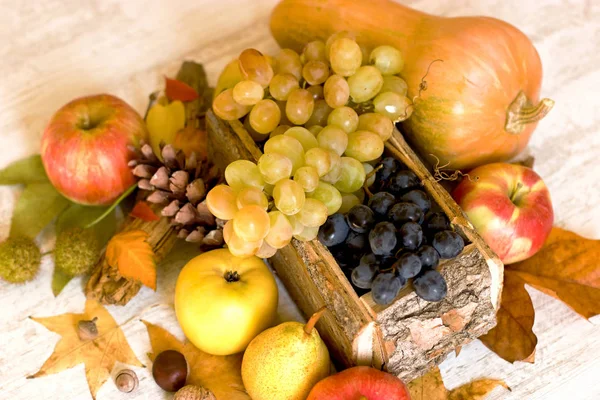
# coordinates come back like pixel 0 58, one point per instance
pixel 54 50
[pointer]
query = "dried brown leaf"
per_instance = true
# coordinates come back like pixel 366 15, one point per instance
pixel 476 390
pixel 431 387
pixel 567 268
pixel 99 355
pixel 220 374
pixel 428 387
pixel 512 338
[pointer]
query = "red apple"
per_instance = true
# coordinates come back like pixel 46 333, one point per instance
pixel 84 148
pixel 510 207
pixel 360 383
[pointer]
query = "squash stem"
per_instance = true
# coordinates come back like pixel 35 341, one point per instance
pixel 521 112
pixel 313 320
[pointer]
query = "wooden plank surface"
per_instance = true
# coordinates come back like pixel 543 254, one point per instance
pixel 54 50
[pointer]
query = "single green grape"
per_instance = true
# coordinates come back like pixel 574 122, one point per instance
pixel 364 146
pixel 365 83
pixel 352 175
pixel 345 118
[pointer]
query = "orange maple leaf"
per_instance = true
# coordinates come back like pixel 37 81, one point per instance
pixel 133 257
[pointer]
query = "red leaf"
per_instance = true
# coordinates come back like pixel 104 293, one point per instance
pixel 143 211
pixel 177 90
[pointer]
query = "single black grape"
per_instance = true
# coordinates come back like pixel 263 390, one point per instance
pixel 435 222
pixel 357 242
pixel 430 286
pixel 401 213
pixel 334 231
pixel 418 197
pixel 363 275
pixel 429 257
pixel 402 181
pixel 448 244
pixel 386 287
pixel 381 202
pixel 389 166
pixel 410 236
pixel 382 238
pixel 360 218
pixel 408 265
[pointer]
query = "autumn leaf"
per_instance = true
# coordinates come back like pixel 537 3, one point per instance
pixel 178 90
pixel 133 257
pixel 143 211
pixel 220 374
pixel 512 338
pixel 99 355
pixel 431 387
pixel 566 268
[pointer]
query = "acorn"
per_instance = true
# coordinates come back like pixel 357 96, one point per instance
pixel 76 251
pixel 170 370
pixel 193 392
pixel 126 381
pixel 19 259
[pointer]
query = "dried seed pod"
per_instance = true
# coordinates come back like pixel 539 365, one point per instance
pixel 161 178
pixel 204 216
pixel 148 153
pixel 144 171
pixel 144 184
pixel 196 191
pixel 87 329
pixel 214 238
pixel 126 381
pixel 158 197
pixel 193 392
pixel 171 209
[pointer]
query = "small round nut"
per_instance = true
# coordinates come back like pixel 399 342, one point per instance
pixel 193 392
pixel 126 381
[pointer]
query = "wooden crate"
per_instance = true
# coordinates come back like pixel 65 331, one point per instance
pixel 409 335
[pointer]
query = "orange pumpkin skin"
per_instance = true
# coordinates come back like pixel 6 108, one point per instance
pixel 461 117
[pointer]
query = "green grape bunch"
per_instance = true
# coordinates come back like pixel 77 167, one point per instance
pixel 322 118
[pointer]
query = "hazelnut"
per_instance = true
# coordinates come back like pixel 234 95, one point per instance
pixel 87 329
pixel 192 392
pixel 170 370
pixel 126 381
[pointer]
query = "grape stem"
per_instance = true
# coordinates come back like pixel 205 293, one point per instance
pixel 313 320
pixel 369 175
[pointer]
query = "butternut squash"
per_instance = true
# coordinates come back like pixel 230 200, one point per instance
pixel 480 105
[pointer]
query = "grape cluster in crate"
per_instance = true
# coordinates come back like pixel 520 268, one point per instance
pixel 392 238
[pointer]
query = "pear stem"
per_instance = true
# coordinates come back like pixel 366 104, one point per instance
pixel 313 320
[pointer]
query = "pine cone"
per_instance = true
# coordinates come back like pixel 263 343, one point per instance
pixel 180 184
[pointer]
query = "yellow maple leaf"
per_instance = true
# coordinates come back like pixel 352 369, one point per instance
pixel 133 257
pixel 431 387
pixel 99 355
pixel 222 375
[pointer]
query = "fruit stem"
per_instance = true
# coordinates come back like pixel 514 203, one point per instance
pixel 517 194
pixel 521 112
pixel 313 320
pixel 231 276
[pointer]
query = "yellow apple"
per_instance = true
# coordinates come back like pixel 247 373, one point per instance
pixel 222 301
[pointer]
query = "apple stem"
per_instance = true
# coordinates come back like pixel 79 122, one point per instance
pixel 313 320
pixel 516 195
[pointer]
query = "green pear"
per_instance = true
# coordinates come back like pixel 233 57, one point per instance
pixel 286 361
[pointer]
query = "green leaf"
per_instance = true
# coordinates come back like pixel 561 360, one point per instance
pixel 59 281
pixel 38 205
pixel 27 170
